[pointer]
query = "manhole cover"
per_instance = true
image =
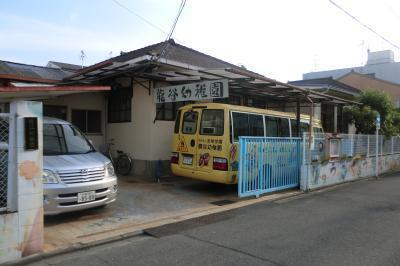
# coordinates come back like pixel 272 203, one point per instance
pixel 222 202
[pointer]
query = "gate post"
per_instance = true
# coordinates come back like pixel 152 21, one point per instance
pixel 22 221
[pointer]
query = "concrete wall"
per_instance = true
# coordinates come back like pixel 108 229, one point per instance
pixel 22 225
pixel 86 101
pixel 146 140
pixel 317 175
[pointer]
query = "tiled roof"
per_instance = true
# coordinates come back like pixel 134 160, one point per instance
pixel 65 66
pixel 31 72
pixel 176 52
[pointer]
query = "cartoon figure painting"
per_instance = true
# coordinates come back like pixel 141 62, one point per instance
pixel 204 158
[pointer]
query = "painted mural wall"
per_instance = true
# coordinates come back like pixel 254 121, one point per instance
pixel 22 228
pixel 317 175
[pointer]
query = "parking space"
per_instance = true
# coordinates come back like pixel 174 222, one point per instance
pixel 140 204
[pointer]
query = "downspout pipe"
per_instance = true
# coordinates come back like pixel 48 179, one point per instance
pixel 310 142
pixel 311 121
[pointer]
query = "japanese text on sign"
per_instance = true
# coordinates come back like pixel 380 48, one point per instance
pixel 192 92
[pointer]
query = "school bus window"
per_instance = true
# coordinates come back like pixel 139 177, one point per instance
pixel 240 125
pixel 317 130
pixel 189 124
pixel 304 127
pixel 284 127
pixel 271 126
pixel 177 121
pixel 212 122
pixel 256 125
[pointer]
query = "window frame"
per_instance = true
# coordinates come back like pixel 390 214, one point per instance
pixel 175 109
pixel 183 121
pixel 232 135
pixel 223 122
pixel 86 121
pixel 65 107
pixel 120 93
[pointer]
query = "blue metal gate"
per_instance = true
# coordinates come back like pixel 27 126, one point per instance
pixel 268 164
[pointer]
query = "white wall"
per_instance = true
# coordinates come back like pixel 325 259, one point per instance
pixel 22 225
pixel 142 138
pixel 86 101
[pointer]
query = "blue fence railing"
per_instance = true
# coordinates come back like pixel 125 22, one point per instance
pixel 268 164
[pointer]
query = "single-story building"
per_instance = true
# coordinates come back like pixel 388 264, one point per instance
pixel 330 86
pixel 130 115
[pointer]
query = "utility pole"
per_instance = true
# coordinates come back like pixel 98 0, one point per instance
pixel 377 126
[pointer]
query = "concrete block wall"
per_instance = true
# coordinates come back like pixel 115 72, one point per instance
pixel 318 175
pixel 22 225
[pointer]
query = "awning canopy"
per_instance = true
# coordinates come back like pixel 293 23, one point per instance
pixel 240 80
pixel 31 91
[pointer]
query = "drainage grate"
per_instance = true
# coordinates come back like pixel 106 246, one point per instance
pixel 222 202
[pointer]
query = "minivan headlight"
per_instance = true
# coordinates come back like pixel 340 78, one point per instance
pixel 110 169
pixel 49 177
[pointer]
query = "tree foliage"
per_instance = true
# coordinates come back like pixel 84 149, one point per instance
pixel 363 117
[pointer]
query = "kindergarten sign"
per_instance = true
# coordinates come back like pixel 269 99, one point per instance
pixel 192 92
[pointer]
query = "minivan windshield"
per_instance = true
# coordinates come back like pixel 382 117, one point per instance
pixel 64 139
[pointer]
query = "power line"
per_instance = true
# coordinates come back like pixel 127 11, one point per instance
pixel 363 24
pixel 183 2
pixel 140 17
pixel 176 19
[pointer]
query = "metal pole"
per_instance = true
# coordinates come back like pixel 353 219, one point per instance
pixel 376 151
pixel 298 118
pixel 335 119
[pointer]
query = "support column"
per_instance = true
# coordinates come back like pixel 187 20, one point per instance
pixel 298 118
pixel 22 223
pixel 335 119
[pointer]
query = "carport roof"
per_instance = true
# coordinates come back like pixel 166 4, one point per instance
pixel 29 91
pixel 177 64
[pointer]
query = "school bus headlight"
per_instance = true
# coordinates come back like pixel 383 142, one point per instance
pixel 220 164
pixel 175 158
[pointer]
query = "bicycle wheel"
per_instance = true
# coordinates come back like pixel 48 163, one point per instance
pixel 123 164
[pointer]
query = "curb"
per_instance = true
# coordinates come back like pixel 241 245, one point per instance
pixel 73 248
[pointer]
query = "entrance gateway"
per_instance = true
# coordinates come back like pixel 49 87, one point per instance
pixel 268 164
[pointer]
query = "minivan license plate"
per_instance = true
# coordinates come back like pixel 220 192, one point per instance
pixel 188 160
pixel 86 196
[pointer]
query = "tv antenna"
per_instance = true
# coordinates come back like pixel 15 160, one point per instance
pixel 83 56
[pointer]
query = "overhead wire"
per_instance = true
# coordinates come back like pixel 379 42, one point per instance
pixel 167 43
pixel 363 24
pixel 140 17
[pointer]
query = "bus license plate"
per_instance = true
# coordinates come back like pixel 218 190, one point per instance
pixel 86 196
pixel 188 160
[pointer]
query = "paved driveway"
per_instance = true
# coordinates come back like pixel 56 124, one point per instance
pixel 139 202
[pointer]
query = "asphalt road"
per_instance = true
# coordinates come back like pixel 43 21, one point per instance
pixel 354 224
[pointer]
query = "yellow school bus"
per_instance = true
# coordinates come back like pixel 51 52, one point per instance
pixel 206 137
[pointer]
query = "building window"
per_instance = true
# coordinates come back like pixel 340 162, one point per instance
pixel 168 111
pixel 233 99
pixel 55 111
pixel 119 105
pixel 88 121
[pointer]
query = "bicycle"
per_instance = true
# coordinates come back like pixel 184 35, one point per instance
pixel 123 163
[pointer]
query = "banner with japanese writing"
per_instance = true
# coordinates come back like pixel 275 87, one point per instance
pixel 192 92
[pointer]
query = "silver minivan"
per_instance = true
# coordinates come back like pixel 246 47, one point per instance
pixel 75 175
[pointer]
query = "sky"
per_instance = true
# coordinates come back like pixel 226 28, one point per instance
pixel 279 39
